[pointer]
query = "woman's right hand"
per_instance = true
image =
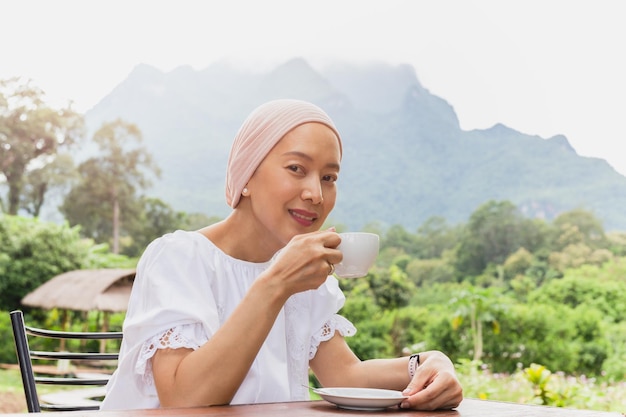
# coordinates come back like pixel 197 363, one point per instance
pixel 305 262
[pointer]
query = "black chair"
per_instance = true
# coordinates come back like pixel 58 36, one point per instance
pixel 28 358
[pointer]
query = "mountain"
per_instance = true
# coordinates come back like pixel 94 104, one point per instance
pixel 405 156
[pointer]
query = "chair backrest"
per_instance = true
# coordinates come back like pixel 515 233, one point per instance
pixel 30 362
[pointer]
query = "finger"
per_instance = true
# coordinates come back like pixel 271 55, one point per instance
pixel 331 239
pixel 331 268
pixel 423 400
pixel 444 392
pixel 420 381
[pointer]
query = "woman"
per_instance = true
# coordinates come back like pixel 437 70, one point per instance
pixel 238 311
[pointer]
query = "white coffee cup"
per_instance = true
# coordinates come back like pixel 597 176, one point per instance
pixel 359 250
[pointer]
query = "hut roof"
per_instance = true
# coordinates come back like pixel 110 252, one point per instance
pixel 85 290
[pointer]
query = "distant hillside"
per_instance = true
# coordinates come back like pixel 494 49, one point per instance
pixel 405 156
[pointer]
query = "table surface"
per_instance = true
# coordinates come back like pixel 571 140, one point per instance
pixel 468 408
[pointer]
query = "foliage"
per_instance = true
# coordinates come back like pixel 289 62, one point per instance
pixel 155 219
pixel 195 221
pixel 607 296
pixel 570 340
pixel 614 367
pixel 107 194
pixel 391 288
pixel 372 339
pixel 539 377
pixel 31 252
pixel 408 332
pixel 57 174
pixel 523 302
pixel 434 237
pixel 399 238
pixel 495 231
pixel 100 256
pixel 426 272
pixel 7 348
pixel 479 305
pixel 577 392
pixel 31 135
pixel 579 226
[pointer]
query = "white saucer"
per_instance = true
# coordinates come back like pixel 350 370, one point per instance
pixel 362 399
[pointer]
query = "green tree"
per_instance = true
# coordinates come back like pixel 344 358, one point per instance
pixel 495 230
pixel 579 226
pixel 424 272
pixel 479 305
pixel 32 252
pixel 39 181
pixel 434 237
pixel 573 290
pixel 409 329
pixel 517 263
pixel 571 340
pixel 110 182
pixel 156 219
pixel 372 338
pixel 616 242
pixel 398 237
pixel 391 288
pixel 578 254
pixel 30 132
pixel 195 221
pixel 7 349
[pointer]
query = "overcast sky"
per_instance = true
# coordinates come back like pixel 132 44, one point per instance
pixel 541 67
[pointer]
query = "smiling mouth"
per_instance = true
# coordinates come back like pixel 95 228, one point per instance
pixel 302 217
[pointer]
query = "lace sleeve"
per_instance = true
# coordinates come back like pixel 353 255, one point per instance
pixel 336 323
pixel 190 336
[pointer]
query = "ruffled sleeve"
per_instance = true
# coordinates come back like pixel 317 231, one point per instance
pixel 337 323
pixel 190 336
pixel 325 303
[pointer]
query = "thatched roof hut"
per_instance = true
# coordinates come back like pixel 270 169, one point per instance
pixel 106 290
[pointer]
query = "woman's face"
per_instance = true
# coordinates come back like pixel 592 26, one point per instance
pixel 293 190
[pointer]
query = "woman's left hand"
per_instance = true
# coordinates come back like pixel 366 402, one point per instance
pixel 434 385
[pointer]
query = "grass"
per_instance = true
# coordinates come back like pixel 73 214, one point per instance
pixel 10 380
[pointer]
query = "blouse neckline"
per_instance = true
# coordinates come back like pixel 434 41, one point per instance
pixel 217 249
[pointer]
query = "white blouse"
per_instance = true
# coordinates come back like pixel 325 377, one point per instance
pixel 184 290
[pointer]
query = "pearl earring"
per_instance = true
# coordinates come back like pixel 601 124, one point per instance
pixel 244 191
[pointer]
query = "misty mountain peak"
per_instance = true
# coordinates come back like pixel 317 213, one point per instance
pixel 406 158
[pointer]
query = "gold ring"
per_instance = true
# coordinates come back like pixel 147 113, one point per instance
pixel 331 268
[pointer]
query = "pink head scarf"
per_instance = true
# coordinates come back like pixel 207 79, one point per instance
pixel 263 128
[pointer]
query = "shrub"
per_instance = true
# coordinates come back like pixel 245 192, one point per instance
pixel 7 348
pixel 33 251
